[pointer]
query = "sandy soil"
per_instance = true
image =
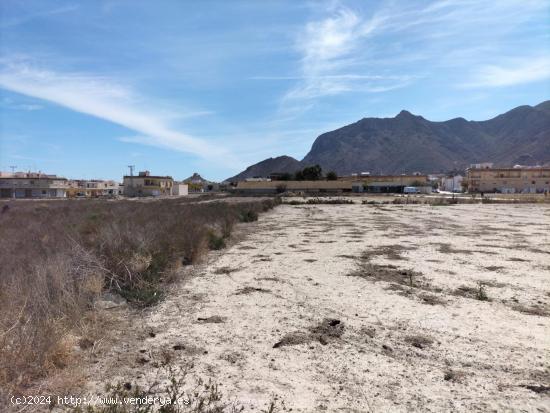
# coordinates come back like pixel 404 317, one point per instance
pixel 305 321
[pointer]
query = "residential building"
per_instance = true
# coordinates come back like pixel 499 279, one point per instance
pixel 32 185
pixel 451 183
pixel 146 184
pixel 93 188
pixel 519 179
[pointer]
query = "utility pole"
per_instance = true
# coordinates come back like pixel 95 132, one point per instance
pixel 13 167
pixel 131 180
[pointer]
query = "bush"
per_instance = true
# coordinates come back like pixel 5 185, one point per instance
pixel 215 242
pixel 58 257
pixel 249 216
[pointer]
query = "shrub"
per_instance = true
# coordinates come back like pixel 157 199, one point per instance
pixel 59 256
pixel 249 216
pixel 215 242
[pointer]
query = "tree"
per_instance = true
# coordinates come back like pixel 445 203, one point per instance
pixel 299 175
pixel 312 173
pixel 331 176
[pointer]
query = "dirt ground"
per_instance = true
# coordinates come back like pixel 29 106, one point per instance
pixel 356 308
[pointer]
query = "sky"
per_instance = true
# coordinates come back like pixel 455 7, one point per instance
pixel 176 86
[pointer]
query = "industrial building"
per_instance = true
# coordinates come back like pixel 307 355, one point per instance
pixel 265 187
pixel 519 179
pixel 389 183
pixel 32 185
pixel 354 183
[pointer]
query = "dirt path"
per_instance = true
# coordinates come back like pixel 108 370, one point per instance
pixel 410 330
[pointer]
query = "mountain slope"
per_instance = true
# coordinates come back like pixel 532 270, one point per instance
pixel 409 143
pixel 280 164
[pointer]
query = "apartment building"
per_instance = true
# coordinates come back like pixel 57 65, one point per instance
pixel 145 184
pixel 519 179
pixel 94 188
pixel 32 185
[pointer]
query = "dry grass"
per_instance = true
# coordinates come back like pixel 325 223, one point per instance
pixel 326 331
pixel 59 257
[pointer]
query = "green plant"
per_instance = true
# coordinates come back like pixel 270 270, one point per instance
pixel 215 242
pixel 481 293
pixel 309 173
pixel 249 216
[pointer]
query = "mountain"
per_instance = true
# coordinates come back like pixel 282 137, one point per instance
pixel 409 143
pixel 196 179
pixel 280 164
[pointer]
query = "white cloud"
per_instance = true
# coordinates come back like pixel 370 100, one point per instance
pixel 107 100
pixel 11 104
pixel 330 50
pixel 515 73
pixel 350 52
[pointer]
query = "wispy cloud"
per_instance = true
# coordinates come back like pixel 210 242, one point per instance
pixel 330 50
pixel 4 24
pixel 349 52
pixel 515 73
pixel 8 103
pixel 108 100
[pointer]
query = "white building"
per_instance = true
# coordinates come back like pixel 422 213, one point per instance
pixel 180 189
pixel 451 183
pixel 32 185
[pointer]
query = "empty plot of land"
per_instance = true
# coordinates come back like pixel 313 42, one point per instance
pixel 343 307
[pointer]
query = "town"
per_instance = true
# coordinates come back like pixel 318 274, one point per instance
pixel 483 178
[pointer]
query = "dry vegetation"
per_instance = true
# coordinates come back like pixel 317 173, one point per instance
pixel 59 258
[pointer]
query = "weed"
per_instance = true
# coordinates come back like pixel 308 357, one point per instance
pixel 215 242
pixel 250 290
pixel 419 340
pixel 71 252
pixel 326 331
pixel 248 216
pixel 481 293
pixel 477 293
pixel 537 310
pixel 176 394
pixel 454 376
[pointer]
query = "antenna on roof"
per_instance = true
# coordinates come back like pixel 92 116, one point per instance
pixel 13 168
pixel 131 169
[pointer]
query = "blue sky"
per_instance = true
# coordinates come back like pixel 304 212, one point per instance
pixel 174 86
